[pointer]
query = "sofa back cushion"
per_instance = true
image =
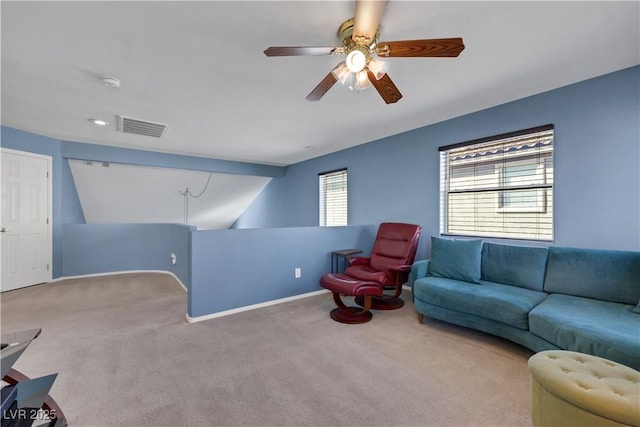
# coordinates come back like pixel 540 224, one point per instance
pixel 594 273
pixel 514 265
pixel 456 259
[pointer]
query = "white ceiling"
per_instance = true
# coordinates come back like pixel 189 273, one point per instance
pixel 199 67
pixel 129 194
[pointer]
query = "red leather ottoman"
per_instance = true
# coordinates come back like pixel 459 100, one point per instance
pixel 339 284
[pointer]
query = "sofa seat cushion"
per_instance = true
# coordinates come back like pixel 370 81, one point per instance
pixel 601 328
pixel 494 301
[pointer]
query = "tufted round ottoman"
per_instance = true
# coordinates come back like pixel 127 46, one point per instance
pixel 575 389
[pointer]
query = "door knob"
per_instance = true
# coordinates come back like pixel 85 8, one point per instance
pixel 3 230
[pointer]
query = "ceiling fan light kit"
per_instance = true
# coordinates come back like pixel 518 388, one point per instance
pixel 359 37
pixel 362 81
pixel 341 72
pixel 377 67
pixel 357 59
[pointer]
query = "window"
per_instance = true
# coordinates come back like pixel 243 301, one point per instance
pixel 333 197
pixel 525 174
pixel 500 186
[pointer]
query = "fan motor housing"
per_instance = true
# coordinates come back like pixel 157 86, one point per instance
pixel 345 34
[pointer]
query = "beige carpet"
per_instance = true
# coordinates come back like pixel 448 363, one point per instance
pixel 127 357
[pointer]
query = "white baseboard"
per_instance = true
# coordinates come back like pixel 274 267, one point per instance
pixel 213 315
pixel 254 306
pixel 113 273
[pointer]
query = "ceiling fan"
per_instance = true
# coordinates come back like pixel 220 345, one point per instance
pixel 359 37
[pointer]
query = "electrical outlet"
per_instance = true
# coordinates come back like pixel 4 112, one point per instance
pixel 298 272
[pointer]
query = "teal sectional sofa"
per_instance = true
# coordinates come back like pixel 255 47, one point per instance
pixel 583 300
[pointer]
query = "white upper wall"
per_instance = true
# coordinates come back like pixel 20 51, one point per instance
pixel 120 193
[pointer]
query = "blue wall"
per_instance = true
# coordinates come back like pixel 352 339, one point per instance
pixel 104 248
pixel 65 202
pixel 597 163
pixel 236 268
pixel 597 197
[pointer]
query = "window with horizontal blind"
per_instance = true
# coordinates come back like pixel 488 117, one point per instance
pixel 333 197
pixel 501 186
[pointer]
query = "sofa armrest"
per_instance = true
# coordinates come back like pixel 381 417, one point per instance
pixel 419 269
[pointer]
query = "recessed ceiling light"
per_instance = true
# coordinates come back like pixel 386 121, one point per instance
pixel 111 81
pixel 99 122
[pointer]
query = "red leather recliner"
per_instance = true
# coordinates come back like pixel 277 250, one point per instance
pixel 386 268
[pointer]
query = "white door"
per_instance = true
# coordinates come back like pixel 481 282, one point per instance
pixel 25 229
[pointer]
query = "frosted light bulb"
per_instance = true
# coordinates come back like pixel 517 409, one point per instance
pixel 362 81
pixel 356 60
pixel 378 68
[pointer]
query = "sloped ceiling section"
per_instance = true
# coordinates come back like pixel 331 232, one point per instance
pixel 112 193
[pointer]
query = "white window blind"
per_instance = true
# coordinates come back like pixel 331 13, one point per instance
pixel 333 197
pixel 500 186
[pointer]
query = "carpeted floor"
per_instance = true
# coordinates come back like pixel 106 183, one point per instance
pixel 127 357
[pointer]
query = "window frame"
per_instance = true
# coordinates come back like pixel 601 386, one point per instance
pixel 341 216
pixel 466 191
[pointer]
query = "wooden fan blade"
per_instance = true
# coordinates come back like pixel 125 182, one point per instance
pixel 421 48
pixel 367 18
pixel 385 87
pixel 298 50
pixel 324 86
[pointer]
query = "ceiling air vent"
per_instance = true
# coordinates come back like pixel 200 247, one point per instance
pixel 141 127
